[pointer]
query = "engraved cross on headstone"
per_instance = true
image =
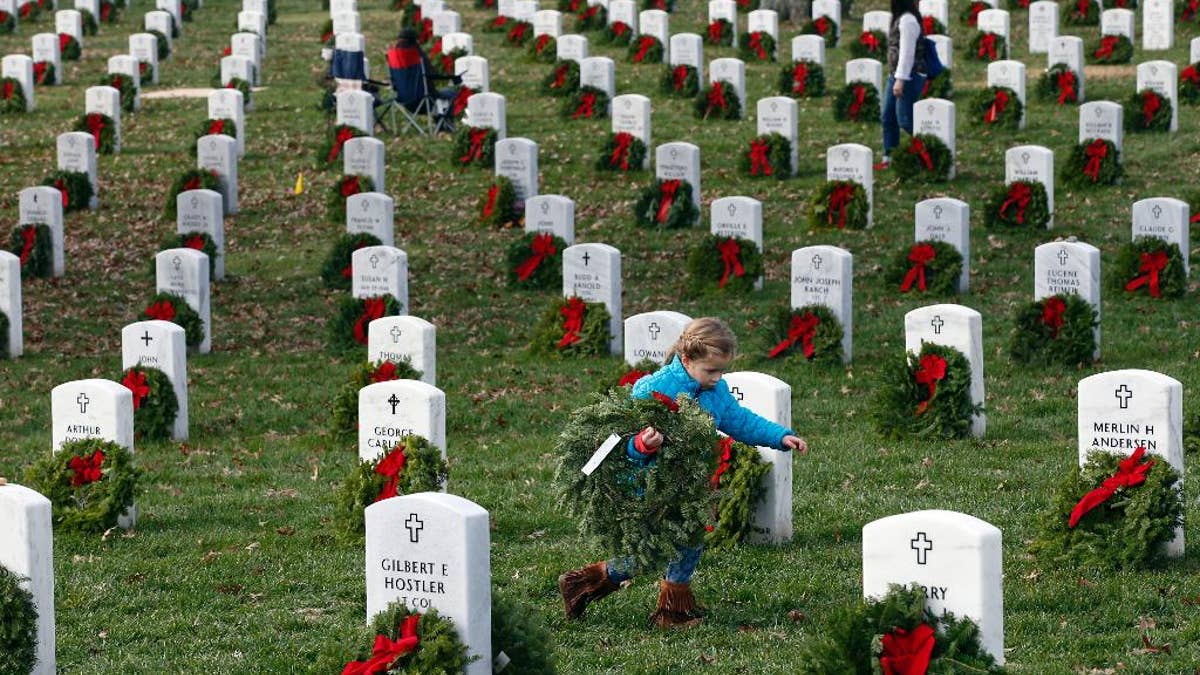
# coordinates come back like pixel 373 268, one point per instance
pixel 394 401
pixel 654 330
pixel 374 261
pixel 732 210
pixel 1123 394
pixel 1157 211
pixel 414 525
pixel 83 403
pixel 586 257
pixel 146 338
pixel 395 333
pixel 937 324
pixel 816 261
pixel 922 545
pixel 737 393
pixel 177 263
pixel 1063 256
pixel 937 212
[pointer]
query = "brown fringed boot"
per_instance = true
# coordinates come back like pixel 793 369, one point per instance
pixel 582 586
pixel 676 606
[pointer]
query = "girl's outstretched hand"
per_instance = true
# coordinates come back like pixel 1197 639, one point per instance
pixel 795 443
pixel 648 441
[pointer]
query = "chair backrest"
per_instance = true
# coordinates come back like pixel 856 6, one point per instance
pixel 348 65
pixel 406 70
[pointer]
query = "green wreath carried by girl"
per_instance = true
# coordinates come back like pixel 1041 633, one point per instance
pixel 928 395
pixel 725 264
pixel 622 152
pixel 498 207
pixel 571 327
pixel 1020 204
pixel 838 203
pixel 166 306
pixel 535 261
pixel 1055 330
pixel 998 107
pixel 857 102
pixel 923 157
pixel 344 420
pixel 90 483
pixel 75 186
pixel 33 244
pixel 412 465
pixel 667 204
pixel 802 79
pixel 927 267
pixel 1150 265
pixel 1095 161
pixel 719 100
pixel 811 332
pixel 348 329
pixel 769 156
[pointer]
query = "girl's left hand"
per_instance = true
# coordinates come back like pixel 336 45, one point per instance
pixel 795 443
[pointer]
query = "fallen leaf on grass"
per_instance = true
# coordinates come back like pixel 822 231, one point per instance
pixel 797 616
pixel 229 589
pixel 1151 649
pixel 286 530
pixel 707 660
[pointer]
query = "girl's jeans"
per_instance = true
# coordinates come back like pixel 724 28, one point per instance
pixel 898 113
pixel 680 570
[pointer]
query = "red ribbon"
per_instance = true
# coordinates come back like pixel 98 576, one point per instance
pixel 999 103
pixel 619 28
pixel 26 10
pixel 28 239
pixel 1190 74
pixel 631 377
pixel 216 126
pixel 541 43
pixel 344 134
pixel 390 467
pixel 117 82
pixel 714 31
pixel 907 652
pixel 620 153
pixel 1066 87
pixel 644 45
pixel 135 381
pixel 196 242
pixel 919 255
pixel 869 40
pixel 87 469
pixel 987 46
pixel 386 372
pixel 417 17
pixel 589 13
pixel 1189 11
pixel 930 371
pixel 1105 50
pixel 426 30
pixel 800 77
pixel 973 17
pixel 1053 310
pixel 1150 105
pixel 61 186
pixel 666 197
pixel 436 49
pixel 350 186
pixel 725 454
pixel 822 25
pixel 348 270
pixel 918 148
pixel 927 26
pixel 560 76
pixel 731 259
pixel 460 100
pixel 192 183
pixel 586 104
pixel 386 652
pixel 517 33
pixel 1096 151
pixel 757 46
pixel 860 95
pixel 475 152
pixel 325 37
pixel 758 158
pixel 161 310
pixel 716 97
pixel 839 199
pixel 489 205
pixel 1130 473
pixel 679 77
pixel 1019 195
pixel 802 328
pixel 7 92
pixel 541 247
pixel 666 400
pixel 499 21
pixel 572 313
pixel 373 308
pixel 1151 265
pixel 39 68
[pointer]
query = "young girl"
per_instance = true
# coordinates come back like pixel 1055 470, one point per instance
pixel 694 367
pixel 905 79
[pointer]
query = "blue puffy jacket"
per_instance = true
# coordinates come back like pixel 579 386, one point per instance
pixel 729 416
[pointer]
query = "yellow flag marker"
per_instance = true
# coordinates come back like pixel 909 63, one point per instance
pixel 299 189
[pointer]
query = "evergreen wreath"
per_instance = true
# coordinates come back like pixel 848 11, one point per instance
pixel 676 195
pixel 719 33
pixel 192 179
pixel 1127 531
pixel 926 267
pixel 928 395
pixel 1093 162
pixel 329 152
pixel 443 63
pixel 987 47
pixel 69 48
pixel 520 636
pixel 941 86
pixel 570 6
pixel 1112 49
pixel 8 23
pixel 1187 10
pixel 199 241
pixel 802 79
pixel 1148 110
pixel 570 327
pixel 591 18
pixel 348 330
pixel 998 107
pixel 857 102
pixel 109 12
pixel 667 6
pixel 812 332
pixel 242 86
pixel 167 306
pixel 473 146
pixel 757 47
pixel 518 34
pixel 543 49
pixel 498 207
pixel 345 402
pixel 188 7
pixel 535 261
pixel 1022 203
pixel 412 465
pixel 1019 5
pixel 626 375
pixel 336 271
pixel 617 33
pixel 1059 83
pixel 497 25
pixel 1055 330
pixel 29 12
pixel 1189 83
pixel 4 347
pixel 75 186
pixel 563 80
pixel 102 129
pixel 858 638
pixel 770 155
pixel 587 103
pixel 225 127
pixel 123 84
pixel 89 482
pixel 622 152
pixel 327 33
pixel 154 404
pixel 12 95
pixel 931 25
pixel 1150 263
pixel 90 26
pixel 969 16
pixel 823 26
pixel 680 81
pixel 739 484
pixel 838 203
pixel 871 44
pixel 719 100
pixel 18 623
pixel 645 513
pixel 347 186
pixel 43 73
pixel 646 49
pixel 410 17
pixel 751 5
pixel 924 157
pixel 1083 13
pixel 34 245
pixel 723 264
pixel 409 641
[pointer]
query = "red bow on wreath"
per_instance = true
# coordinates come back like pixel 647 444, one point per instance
pixel 348 270
pixel 868 40
pixel 194 242
pixel 572 314
pixel 1150 105
pixel 216 126
pixel 716 97
pixel 927 26
pixel 373 308
pixel 61 186
pixel 39 68
pixel 1105 50
pixel 64 40
pixel 541 247
pixel 135 381
pixel 860 96
pixel 1130 473
pixel 343 135
pixel 919 256
pixel 666 197
pixel 541 43
pixel 620 153
pixel 671 404
pixel 1095 152
pixel 436 50
pixel 839 199
pixel 386 651
pixel 1019 195
pixel 1189 10
pixel 87 469
pixel 390 467
pixel 475 152
pixel 631 377
pixel 757 46
pixel 161 310
pixel 350 186
pixel 7 92
pixel 499 21
pixel 987 46
pixel 1190 74
pixel 460 100
pixel 973 16
pixel 1081 8
pixel 644 45
pixel 800 77
pixel 907 652
pixel 999 103
pixel 426 31
pixel 28 239
pixel 619 28
pixel 192 183
pixel 918 148
pixel 731 259
pixel 724 456
pixel 714 31
pixel 679 77
pixel 560 76
pixel 1053 310
pixel 802 328
pixel 930 371
pixel 517 33
pixel 759 162
pixel 489 204
pixel 1151 265
pixel 587 103
pixel 386 372
pixel 589 13
pixel 1066 87
pixel 822 25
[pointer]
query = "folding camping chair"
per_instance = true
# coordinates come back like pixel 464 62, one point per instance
pixel 412 98
pixel 348 70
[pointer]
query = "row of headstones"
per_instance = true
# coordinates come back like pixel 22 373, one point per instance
pixel 1158 24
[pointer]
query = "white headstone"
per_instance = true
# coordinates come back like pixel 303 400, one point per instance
pixel 172 7
pixel 780 115
pixel 27 550
pixel 1162 77
pixel 364 157
pixel 771 398
pixel 445 22
pixel 650 335
pixel 397 338
pixel 474 72
pixel 935 116
pixel 956 558
pixel 1122 410
pixel 599 72
pixel 218 152
pixel 91 409
pixel 487 110
pixel 1194 50
pixel 523 10
pixel 808 48
pixel 184 271
pixel 687 49
pixel 952 326
pixel 765 21
pixel 372 213
pixel 679 160
pixel 338 6
pixel 1102 119
pixel 506 8
pixel 453 41
pixel 1032 163
pixel 70 22
pixel 246 45
pixel 733 73
pixel 517 160
pixel 626 12
pixel 593 273
pixel 571 48
pixel 228 104
pixel 202 211
pixel 852 162
pixel 380 270
pixel 357 109
pixel 1118 22
pixel 949 220
pixel 10 302
pixel 824 275
pixel 46 48
pixel 432 550
pixel 831 9
pixel 1009 74
pixel 43 205
pixel 124 64
pixel 548 22
pixel 996 21
pixel 254 23
pixel 161 21
pixel 389 411
pixel 724 9
pixel 945 49
pixel 865 70
pixel 144 48
pixel 939 9
pixel 20 68
pixel 1158 25
pixel 878 20
pixel 76 151
pixel 92 6
pixel 1068 50
pixel 1165 218
pixel 106 101
pixel 1043 25
pixel 631 115
pixel 1068 268
pixel 657 23
pixel 160 345
pixel 739 217
pixel 552 214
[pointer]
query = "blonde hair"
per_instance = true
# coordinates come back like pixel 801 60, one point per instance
pixel 704 337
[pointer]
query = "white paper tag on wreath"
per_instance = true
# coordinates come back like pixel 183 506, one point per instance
pixel 500 662
pixel 601 453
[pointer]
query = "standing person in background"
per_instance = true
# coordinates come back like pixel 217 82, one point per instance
pixel 906 80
